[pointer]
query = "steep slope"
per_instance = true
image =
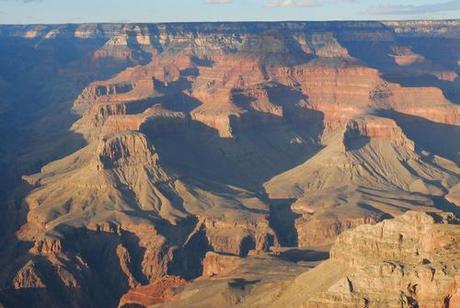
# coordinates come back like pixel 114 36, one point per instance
pixel 368 172
pixel 112 203
pixel 409 261
pixel 220 141
pixel 32 134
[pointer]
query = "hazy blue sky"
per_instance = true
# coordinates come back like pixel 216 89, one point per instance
pixel 77 11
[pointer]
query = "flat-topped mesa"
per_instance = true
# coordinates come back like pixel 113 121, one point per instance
pixel 367 171
pixel 371 127
pixel 153 121
pixel 111 118
pixel 113 92
pixel 105 119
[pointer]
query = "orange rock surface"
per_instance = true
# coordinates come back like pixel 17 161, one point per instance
pixel 202 145
pixel 158 292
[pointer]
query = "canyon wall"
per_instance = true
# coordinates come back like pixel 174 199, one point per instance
pixel 203 144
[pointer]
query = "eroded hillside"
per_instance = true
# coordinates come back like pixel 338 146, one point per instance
pixel 203 146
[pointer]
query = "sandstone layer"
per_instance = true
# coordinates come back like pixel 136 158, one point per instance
pixel 406 262
pixel 202 147
pixel 409 261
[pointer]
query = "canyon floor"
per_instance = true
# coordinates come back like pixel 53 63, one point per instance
pixel 289 164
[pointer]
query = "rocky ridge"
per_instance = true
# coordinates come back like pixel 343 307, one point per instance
pixel 403 262
pixel 409 261
pixel 233 138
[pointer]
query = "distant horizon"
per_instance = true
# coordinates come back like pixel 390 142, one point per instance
pixel 53 12
pixel 228 21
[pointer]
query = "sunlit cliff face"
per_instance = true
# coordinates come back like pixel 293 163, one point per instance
pixel 203 150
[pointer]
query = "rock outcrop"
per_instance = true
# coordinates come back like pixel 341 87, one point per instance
pixel 337 189
pixel 375 127
pixel 214 142
pixel 408 261
pixel 158 292
pixel 216 264
pixel 138 204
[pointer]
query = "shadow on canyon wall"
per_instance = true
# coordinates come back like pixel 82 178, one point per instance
pixel 439 139
pixel 439 55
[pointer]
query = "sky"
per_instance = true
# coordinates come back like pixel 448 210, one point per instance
pixel 81 11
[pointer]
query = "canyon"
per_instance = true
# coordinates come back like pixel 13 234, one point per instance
pixel 300 164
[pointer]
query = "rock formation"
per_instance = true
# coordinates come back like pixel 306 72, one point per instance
pixel 155 293
pixel 409 261
pixel 203 147
pixel 406 262
pixel 215 264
